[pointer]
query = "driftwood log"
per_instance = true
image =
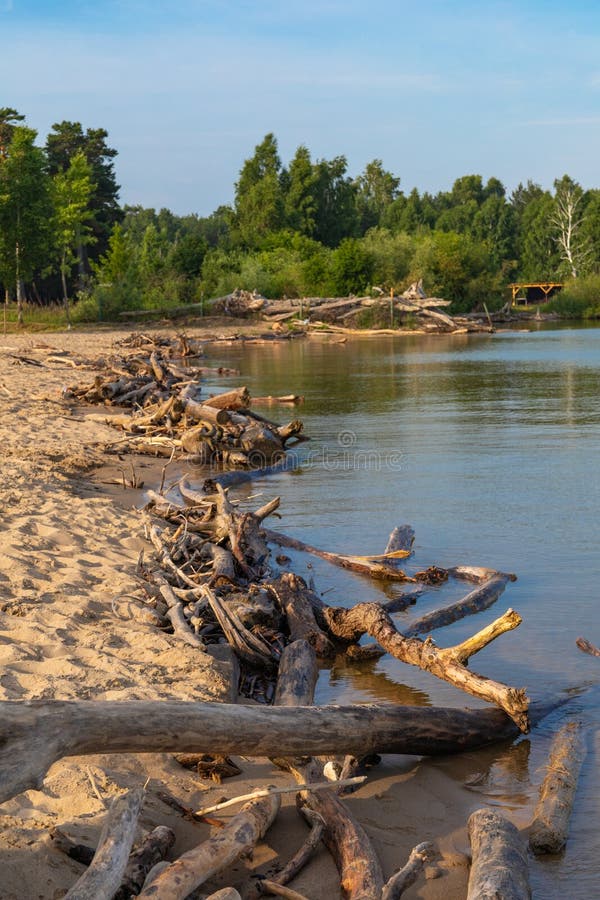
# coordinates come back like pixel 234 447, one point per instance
pixel 362 565
pixel 408 874
pixel 103 878
pixel 291 593
pixel 550 827
pixel 477 600
pixel 34 734
pixel 448 664
pixel 200 863
pixel 499 868
pixel 360 872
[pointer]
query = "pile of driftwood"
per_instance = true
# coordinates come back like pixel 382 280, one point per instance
pixel 398 311
pixel 170 417
pixel 213 578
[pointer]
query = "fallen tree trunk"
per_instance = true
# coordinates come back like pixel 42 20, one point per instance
pixel 290 591
pixel 102 878
pixel 200 863
pixel 353 563
pixel 231 479
pixel 448 664
pixel 34 734
pixel 550 827
pixel 479 599
pixel 499 868
pixel 360 872
pixel 237 398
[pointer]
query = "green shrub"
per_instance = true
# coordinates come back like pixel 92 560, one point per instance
pixel 579 299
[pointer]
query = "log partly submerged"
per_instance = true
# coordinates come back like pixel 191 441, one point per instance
pixel 36 733
pixel 550 827
pixel 449 664
pixel 379 569
pixel 477 600
pixel 499 868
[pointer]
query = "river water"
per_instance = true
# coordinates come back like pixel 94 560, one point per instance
pixel 489 446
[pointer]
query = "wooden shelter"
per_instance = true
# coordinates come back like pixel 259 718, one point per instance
pixel 535 291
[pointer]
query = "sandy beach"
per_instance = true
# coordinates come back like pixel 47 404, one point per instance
pixel 69 548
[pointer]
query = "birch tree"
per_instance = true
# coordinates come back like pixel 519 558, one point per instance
pixel 567 219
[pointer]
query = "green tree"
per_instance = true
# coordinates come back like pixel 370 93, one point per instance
pixel 258 194
pixel 71 193
pixel 299 182
pixel 9 118
pixel 64 141
pixel 539 259
pixel 494 224
pixel 335 193
pixel 351 268
pixel 376 190
pixel 392 256
pixel 25 211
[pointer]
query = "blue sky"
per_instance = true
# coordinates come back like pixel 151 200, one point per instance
pixel 435 89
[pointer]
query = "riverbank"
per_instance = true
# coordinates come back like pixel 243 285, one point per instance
pixel 70 547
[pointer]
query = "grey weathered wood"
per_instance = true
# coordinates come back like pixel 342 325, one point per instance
pixel 550 827
pixel 360 871
pixel 36 733
pixel 293 597
pixel 102 878
pixel 297 675
pixel 200 863
pixel 152 850
pixel 401 538
pixel 449 664
pixel 409 873
pixel 499 870
pixel 477 600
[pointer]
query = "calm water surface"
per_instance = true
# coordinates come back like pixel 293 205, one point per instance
pixel 489 446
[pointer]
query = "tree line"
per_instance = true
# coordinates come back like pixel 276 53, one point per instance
pixel 307 228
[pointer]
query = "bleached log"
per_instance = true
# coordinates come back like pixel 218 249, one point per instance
pixel 550 827
pixel 291 593
pixel 401 538
pixel 266 792
pixel 176 616
pixel 297 675
pixel 152 850
pixel 231 479
pixel 34 734
pixel 361 565
pixel 448 664
pixel 195 867
pixel 406 877
pixel 102 878
pixel 499 868
pixel 236 398
pixel 477 600
pixel 360 871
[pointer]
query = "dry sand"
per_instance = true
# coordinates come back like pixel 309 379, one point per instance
pixel 69 547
